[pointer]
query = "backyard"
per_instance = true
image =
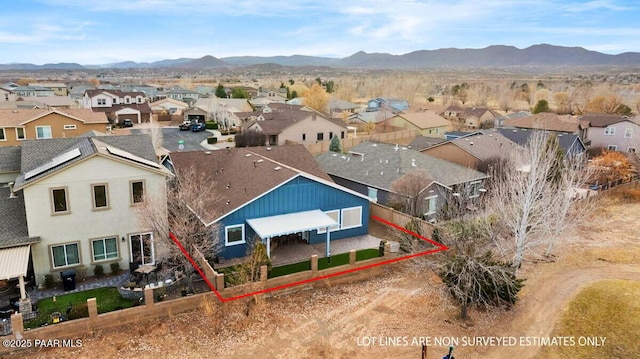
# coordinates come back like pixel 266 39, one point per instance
pixel 330 321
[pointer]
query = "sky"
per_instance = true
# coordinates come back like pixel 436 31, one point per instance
pixel 107 31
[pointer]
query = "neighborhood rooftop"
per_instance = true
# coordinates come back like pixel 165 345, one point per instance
pixel 13 219
pixel 380 164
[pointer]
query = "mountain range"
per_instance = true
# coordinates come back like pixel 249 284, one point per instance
pixel 492 56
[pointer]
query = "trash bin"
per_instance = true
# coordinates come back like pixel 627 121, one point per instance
pixel 68 279
pixel 381 248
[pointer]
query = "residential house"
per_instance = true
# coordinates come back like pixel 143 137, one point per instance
pixel 17 125
pixel 99 182
pixel 168 106
pixel 452 135
pixel 7 95
pixel 338 107
pixel 473 117
pixel 33 91
pixel 427 123
pixel 377 117
pixel 58 88
pixel 118 105
pixel 270 194
pixel 472 151
pixel 284 126
pixel 183 94
pixel 9 163
pixel 570 143
pixel 499 121
pixel 394 104
pixel 612 132
pixel 372 168
pixel 60 102
pixel 545 121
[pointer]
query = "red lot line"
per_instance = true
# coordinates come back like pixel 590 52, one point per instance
pixel 439 247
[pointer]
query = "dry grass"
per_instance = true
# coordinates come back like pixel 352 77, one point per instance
pixel 604 309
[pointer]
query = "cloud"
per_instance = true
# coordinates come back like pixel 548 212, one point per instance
pixel 593 5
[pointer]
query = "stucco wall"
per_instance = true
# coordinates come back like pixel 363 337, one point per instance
pixel 83 223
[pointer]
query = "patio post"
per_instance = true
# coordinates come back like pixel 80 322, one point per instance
pixel 328 253
pixel 23 293
pixel 269 247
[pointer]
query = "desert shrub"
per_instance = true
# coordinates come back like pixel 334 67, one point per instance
pixel 98 271
pixel 79 310
pixel 210 125
pixel 115 268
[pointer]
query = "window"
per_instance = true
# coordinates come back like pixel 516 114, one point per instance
pixel 372 193
pixel 320 136
pixel 43 132
pixel 341 134
pixel 59 200
pixel 351 217
pixel 115 101
pixel 2 135
pixel 137 191
pixel 102 102
pixel 431 204
pixel 69 127
pixel 20 133
pixel 142 249
pixel 139 99
pixel 65 255
pixel 104 248
pixel 610 131
pixel 330 135
pixel 631 150
pixel 612 147
pixel 100 196
pixel 474 188
pixel 628 132
pixel 234 235
pixel 127 100
pixel 336 217
pixel 304 136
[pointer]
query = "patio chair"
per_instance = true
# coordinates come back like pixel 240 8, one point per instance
pixel 157 269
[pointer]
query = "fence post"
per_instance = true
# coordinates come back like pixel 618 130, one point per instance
pixel 92 305
pixel 387 249
pixel 148 297
pixel 17 325
pixel 314 265
pixel 220 281
pixel 352 256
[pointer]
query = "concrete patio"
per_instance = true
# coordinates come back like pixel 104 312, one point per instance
pixel 299 252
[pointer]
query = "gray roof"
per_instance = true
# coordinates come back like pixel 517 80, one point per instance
pixel 486 144
pixel 422 142
pixel 38 152
pixel 379 165
pixel 13 220
pixel 521 137
pixel 10 159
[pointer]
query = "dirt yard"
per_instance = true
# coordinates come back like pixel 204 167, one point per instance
pixel 396 308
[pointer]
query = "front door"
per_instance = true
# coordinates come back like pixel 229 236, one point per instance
pixel 142 251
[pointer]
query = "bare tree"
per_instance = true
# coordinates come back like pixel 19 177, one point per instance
pixel 409 190
pixel 526 197
pixel 188 196
pixel 562 103
pixel 154 131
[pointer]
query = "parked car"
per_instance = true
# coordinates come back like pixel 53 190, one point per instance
pixel 127 123
pixel 185 126
pixel 197 127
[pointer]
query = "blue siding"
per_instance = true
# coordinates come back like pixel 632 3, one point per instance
pixel 298 195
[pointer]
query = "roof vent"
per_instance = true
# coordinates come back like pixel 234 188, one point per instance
pixel 207 152
pixel 248 155
pixel 228 185
pixel 334 155
pixel 278 168
pixel 381 173
pixel 471 143
pixel 268 148
pixel 228 202
pixel 260 160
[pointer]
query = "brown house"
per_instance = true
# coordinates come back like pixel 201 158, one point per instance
pixel 20 124
pixel 471 151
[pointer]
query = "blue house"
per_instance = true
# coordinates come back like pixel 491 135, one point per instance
pixel 394 104
pixel 275 195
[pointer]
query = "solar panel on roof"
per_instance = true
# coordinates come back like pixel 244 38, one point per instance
pixel 131 157
pixel 55 162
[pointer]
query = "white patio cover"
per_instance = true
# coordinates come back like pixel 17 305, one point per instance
pixel 268 227
pixel 14 262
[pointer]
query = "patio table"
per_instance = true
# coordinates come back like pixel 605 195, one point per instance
pixel 145 270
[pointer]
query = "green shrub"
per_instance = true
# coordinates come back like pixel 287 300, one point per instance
pixel 79 310
pixel 115 268
pixel 210 125
pixel 212 140
pixel 98 271
pixel 48 281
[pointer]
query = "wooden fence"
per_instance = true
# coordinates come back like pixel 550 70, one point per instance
pixel 404 136
pixel 399 218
